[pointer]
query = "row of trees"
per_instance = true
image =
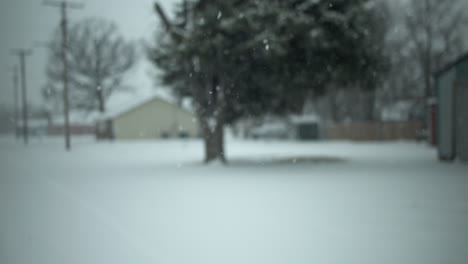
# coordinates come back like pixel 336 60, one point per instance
pixel 249 58
pixel 434 35
pixel 418 42
pixel 428 35
pixel 237 59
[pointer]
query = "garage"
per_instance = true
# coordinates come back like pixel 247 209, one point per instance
pixel 452 110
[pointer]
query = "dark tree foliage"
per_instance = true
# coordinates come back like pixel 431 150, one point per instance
pixel 242 58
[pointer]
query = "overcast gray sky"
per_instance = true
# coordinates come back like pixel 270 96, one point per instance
pixel 23 22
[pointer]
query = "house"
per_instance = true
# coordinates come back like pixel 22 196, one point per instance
pixel 452 110
pixel 151 118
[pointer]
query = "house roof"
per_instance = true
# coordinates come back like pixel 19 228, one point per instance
pixel 452 64
pixel 304 119
pixel 131 105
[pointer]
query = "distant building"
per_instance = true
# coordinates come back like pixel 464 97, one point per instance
pixel 299 127
pixel 452 110
pixel 403 110
pixel 269 130
pixel 80 123
pixel 152 118
pixel 306 127
pixel 37 127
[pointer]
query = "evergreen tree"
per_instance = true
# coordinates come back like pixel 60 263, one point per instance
pixel 240 58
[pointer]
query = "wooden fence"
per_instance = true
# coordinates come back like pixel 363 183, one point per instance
pixel 55 130
pixel 375 131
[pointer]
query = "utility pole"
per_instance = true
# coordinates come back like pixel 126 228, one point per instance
pixel 63 5
pixel 15 99
pixel 14 70
pixel 22 53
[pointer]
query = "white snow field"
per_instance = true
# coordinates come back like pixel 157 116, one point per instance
pixel 277 202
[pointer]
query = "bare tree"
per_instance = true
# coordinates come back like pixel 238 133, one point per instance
pixel 434 34
pixel 98 57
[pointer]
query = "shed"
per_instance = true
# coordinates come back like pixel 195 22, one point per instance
pixel 151 118
pixel 306 127
pixel 452 110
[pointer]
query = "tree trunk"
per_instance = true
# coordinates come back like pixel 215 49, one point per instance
pixel 428 84
pixel 213 135
pixel 370 106
pixel 214 144
pixel 332 104
pixel 101 103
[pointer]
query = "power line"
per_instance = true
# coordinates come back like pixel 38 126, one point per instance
pixel 22 53
pixel 64 5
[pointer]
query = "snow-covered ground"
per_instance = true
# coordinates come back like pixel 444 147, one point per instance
pixel 277 202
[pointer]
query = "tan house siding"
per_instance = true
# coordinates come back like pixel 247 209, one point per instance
pixel 155 119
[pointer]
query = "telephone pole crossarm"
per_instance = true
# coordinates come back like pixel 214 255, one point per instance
pixel 68 4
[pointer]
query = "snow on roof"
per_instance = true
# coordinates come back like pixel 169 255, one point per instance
pixel 270 127
pixel 302 119
pixel 126 106
pixel 129 105
pixel 451 64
